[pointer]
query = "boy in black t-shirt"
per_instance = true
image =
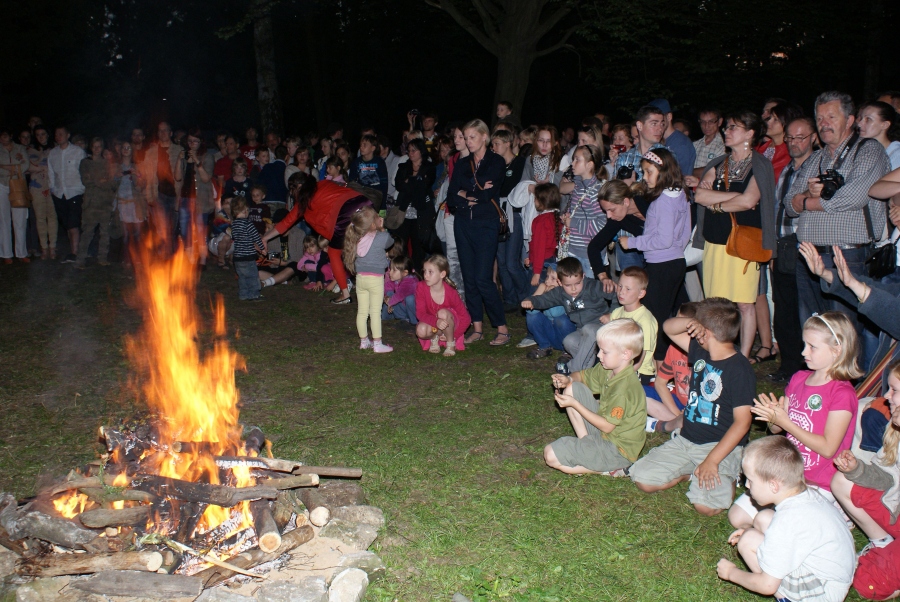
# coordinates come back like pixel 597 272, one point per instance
pixel 717 417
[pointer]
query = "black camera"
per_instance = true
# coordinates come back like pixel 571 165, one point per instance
pixel 831 180
pixel 414 112
pixel 625 172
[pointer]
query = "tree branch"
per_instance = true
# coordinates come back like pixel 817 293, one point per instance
pixel 486 20
pixel 562 42
pixel 495 11
pixel 545 27
pixel 450 8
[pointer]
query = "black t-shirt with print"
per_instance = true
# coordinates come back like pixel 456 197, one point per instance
pixel 233 189
pixel 717 387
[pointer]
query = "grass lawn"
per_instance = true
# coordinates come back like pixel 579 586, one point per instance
pixel 450 447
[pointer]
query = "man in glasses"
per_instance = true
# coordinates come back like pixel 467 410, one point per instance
pixel 800 137
pixel 711 145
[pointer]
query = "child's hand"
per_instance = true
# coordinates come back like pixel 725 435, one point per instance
pixel 604 319
pixel 390 308
pixel 526 304
pixel 623 242
pixel 846 461
pixel 707 475
pixel 565 401
pixel 317 286
pixel 771 409
pixel 535 280
pixel 441 324
pixel 724 568
pixel 735 537
pixel 696 331
pixel 561 381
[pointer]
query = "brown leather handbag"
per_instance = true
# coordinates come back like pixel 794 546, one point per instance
pixel 19 197
pixel 745 242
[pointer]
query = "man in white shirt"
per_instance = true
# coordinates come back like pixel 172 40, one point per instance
pixel 63 165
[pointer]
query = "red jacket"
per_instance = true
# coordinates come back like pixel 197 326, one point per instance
pixel 323 209
pixel 542 245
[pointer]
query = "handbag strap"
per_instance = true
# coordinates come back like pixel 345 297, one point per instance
pixel 499 212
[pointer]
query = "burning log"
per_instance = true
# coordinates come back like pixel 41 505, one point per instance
pixel 255 440
pixel 257 462
pixel 54 565
pixel 189 516
pixel 330 471
pixel 106 496
pixel 82 482
pixel 60 531
pixel 138 584
pixel 203 493
pixel 194 447
pixel 251 558
pixel 264 524
pixel 303 480
pixel 97 519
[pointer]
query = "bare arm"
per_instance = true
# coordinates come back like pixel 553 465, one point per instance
pixel 665 395
pixel 761 583
pixel 886 187
pixel 731 202
pixel 707 472
pixel 676 329
pixel 602 424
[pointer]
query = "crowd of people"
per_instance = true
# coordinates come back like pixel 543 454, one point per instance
pixel 664 257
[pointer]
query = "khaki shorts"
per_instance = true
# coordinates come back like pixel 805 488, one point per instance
pixel 680 457
pixel 591 451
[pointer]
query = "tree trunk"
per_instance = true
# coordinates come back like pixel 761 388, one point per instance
pixel 272 117
pixel 513 73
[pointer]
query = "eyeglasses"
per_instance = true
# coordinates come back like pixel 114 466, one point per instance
pixel 728 128
pixel 790 139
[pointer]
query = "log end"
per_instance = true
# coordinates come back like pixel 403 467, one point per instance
pixel 154 561
pixel 269 542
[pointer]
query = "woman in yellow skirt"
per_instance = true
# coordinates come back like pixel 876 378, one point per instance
pixel 742 183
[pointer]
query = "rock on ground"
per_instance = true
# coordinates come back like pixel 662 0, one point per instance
pixel 358 536
pixel 332 494
pixel 360 514
pixel 220 594
pixel 369 562
pixel 49 589
pixel 349 586
pixel 311 589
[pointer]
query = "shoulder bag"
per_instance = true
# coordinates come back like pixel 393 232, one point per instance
pixel 745 242
pixel 19 197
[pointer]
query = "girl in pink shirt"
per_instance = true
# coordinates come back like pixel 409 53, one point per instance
pixel 818 408
pixel 443 318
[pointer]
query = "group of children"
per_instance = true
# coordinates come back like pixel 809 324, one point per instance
pixel 803 491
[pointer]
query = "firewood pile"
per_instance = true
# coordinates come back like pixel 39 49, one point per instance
pixel 134 530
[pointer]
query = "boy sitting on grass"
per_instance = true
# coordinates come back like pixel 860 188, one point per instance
pixel 717 417
pixel 631 289
pixel 609 431
pixel 802 550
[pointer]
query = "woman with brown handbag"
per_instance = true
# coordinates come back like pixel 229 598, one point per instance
pixel 737 189
pixel 14 199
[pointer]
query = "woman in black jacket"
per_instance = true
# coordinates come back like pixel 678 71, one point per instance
pixel 414 183
pixel 474 199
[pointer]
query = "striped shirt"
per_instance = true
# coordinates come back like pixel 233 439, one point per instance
pixel 246 237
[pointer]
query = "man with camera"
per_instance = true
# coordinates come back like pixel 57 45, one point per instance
pixel 651 125
pixel 830 195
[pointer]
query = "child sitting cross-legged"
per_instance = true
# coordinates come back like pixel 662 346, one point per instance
pixel 443 318
pixel 315 263
pixel 609 430
pixel 584 300
pixel 800 551
pixel 717 417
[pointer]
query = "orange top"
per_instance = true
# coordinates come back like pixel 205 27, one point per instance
pixel 323 209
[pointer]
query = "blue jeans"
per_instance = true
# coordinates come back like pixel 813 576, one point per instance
pixel 628 258
pixel 549 332
pixel 402 311
pixel 476 244
pixel 248 279
pixel 184 222
pixel 513 275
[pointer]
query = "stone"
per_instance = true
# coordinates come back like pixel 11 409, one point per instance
pixel 458 597
pixel 310 589
pixel 332 494
pixel 320 516
pixel 369 562
pixel 7 562
pixel 220 594
pixel 349 586
pixel 358 536
pixel 360 514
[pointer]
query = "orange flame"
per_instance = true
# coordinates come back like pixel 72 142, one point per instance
pixel 71 505
pixel 193 393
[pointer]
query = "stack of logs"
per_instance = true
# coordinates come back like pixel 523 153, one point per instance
pixel 107 543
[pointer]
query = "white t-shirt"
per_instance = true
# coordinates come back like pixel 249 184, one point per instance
pixel 809 547
pixel 893 152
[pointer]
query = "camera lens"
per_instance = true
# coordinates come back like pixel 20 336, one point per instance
pixel 625 172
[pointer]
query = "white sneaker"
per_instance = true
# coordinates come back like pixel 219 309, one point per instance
pixel 651 424
pixel 365 343
pixel 526 342
pixel 380 347
pixel 675 434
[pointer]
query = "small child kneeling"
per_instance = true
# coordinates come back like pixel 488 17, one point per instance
pixel 609 431
pixel 802 550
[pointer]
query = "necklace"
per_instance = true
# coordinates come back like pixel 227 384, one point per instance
pixel 738 169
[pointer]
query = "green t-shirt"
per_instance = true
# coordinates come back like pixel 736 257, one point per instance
pixel 623 403
pixel 648 324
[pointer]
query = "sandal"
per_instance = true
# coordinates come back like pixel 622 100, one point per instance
pixel 450 351
pixel 758 360
pixel 476 335
pixel 435 345
pixel 501 339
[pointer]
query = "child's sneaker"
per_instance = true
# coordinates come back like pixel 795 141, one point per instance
pixel 619 473
pixel 380 347
pixel 675 434
pixel 651 424
pixel 875 543
pixel 365 343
